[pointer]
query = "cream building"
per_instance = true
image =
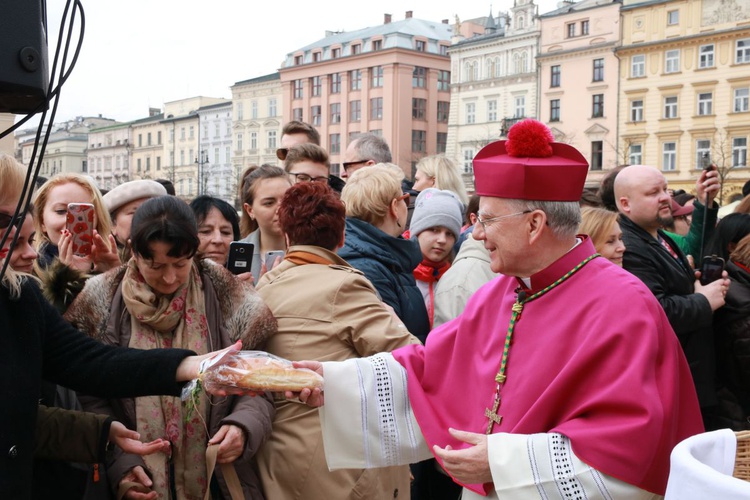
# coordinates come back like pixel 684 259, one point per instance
pixel 7 145
pixel 257 120
pixel 147 144
pixel 391 79
pixel 493 82
pixel 108 155
pixel 685 85
pixel 579 76
pixel 215 169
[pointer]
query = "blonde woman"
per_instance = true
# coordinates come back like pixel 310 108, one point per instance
pixel 54 241
pixel 601 225
pixel 376 212
pixel 440 172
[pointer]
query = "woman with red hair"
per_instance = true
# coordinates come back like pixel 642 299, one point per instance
pixel 326 310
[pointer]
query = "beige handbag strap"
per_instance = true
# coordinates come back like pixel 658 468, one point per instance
pixel 227 470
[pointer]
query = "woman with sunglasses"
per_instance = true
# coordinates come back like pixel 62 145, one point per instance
pixel 376 213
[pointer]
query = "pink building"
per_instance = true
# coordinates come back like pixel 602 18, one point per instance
pixel 392 79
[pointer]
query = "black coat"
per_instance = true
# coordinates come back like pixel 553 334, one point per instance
pixel 672 281
pixel 732 331
pixel 36 344
pixel 389 264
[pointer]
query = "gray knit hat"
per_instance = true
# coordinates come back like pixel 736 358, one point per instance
pixel 435 207
pixel 131 191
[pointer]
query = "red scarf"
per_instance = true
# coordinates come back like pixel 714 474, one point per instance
pixel 430 272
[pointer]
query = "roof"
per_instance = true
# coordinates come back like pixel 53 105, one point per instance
pixel 260 79
pixel 568 6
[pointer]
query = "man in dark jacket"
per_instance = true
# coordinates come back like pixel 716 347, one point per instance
pixel 644 205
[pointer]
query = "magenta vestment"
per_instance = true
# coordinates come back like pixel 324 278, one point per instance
pixel 594 359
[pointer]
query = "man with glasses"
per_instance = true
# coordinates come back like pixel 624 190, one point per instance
pixel 307 163
pixel 365 150
pixel 562 377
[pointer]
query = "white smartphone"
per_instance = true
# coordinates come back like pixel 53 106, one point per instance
pixel 271 258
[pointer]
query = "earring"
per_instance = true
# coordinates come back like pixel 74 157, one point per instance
pixel 398 224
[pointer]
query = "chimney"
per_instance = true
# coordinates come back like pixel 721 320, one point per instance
pixel 409 13
pixel 386 19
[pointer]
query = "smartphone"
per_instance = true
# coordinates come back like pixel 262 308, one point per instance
pixel 712 268
pixel 81 221
pixel 240 257
pixel 271 258
pixel 706 161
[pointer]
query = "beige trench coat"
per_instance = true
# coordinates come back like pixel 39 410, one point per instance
pixel 324 313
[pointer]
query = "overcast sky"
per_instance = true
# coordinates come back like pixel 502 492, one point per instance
pixel 141 53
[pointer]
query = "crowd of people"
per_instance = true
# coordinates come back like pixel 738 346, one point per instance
pixel 470 345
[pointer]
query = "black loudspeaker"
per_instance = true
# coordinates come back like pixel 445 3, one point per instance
pixel 24 66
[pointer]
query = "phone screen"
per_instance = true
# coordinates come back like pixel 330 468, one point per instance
pixel 711 269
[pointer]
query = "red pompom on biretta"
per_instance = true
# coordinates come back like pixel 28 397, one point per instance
pixel 529 138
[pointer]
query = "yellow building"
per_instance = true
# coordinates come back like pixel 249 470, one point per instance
pixel 684 82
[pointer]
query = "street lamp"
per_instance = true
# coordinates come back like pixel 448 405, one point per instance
pixel 201 161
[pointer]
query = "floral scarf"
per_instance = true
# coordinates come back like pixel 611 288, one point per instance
pixel 176 321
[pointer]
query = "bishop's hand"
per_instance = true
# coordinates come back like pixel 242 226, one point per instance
pixel 469 465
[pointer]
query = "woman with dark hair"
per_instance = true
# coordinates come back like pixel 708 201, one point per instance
pixel 326 310
pixel 261 191
pixel 163 297
pixel 728 233
pixel 218 226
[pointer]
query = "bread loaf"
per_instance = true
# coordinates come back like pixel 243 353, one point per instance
pixel 264 374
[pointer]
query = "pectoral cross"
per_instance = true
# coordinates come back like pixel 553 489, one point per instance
pixel 492 415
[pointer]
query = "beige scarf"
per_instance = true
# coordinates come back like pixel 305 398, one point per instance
pixel 176 321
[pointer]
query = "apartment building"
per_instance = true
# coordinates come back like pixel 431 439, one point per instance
pixel 578 80
pixel 684 88
pixel 392 79
pixel 257 120
pixel 493 83
pixel 216 173
pixel 147 141
pixel 108 155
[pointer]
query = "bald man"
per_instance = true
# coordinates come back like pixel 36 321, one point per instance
pixel 650 254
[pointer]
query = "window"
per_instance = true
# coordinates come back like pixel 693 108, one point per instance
pixel 377 44
pixel 635 155
pixel 741 100
pixel 443 111
pixel 315 113
pixel 254 104
pixel 419 77
pixel 554 110
pixel 335 53
pixel 272 107
pixel 355 79
pixel 669 156
pixel 297 90
pixel 636 111
pixel 334 144
pixel 148 139
pixel 158 163
pixel 240 111
pixel 520 105
pixel 297 114
pixel 418 141
pixel 271 139
pixel 670 107
pixel 673 17
pixel 376 108
pixel 672 61
pixel 138 163
pixel 336 112
pixel 702 146
pixel 355 111
pixel 419 108
pixel 468 161
pixel 316 86
pixel 638 66
pixel 554 76
pixel 597 151
pixel 598 70
pixel 471 112
pixel 442 142
pixel 182 135
pixel 140 138
pixel 335 83
pixel 597 109
pixel 492 111
pixel 739 152
pixel 705 103
pixel 171 135
pixel 317 56
pixel 376 76
pixel 444 80
pixel 743 51
pixel 356 49
pixel 192 132
pixel 571 30
pixel 217 129
pixel 706 56
pixel 297 60
pixel 585 27
pixel 443 50
pixel 253 141
pixel 239 141
pixel 421 45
